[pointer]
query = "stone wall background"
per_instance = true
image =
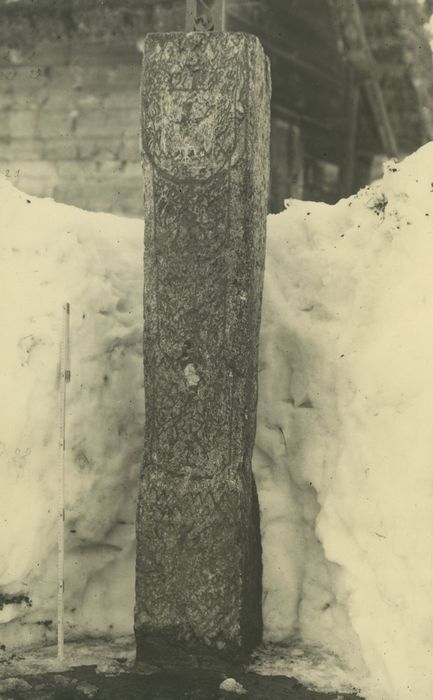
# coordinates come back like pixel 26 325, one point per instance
pixel 69 82
pixel 69 105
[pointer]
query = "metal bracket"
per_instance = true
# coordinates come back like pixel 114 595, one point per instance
pixel 205 15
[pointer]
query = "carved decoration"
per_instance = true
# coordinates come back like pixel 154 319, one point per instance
pixel 205 140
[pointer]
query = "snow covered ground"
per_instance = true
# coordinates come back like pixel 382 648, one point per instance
pixel 344 448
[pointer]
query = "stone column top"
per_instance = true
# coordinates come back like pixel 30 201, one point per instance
pixel 195 99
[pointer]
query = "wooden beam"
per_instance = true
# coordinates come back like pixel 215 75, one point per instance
pixel 271 48
pixel 376 101
pixel 374 91
pixel 347 167
pixel 361 57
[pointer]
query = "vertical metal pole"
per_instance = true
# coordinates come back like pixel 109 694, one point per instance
pixel 190 15
pixel 219 15
pixel 65 375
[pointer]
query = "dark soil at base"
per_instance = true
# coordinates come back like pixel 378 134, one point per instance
pixel 84 682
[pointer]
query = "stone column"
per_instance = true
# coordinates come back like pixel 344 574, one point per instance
pixel 205 141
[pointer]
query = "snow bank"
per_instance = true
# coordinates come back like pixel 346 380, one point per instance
pixel 51 253
pixel 344 448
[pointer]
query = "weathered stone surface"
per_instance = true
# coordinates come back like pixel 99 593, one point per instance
pixel 63 681
pixel 205 141
pixel 9 685
pixel 86 690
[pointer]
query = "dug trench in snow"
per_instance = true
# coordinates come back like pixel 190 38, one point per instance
pixel 343 449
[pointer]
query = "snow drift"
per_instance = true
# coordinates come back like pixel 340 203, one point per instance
pixel 344 447
pixel 345 428
pixel 51 254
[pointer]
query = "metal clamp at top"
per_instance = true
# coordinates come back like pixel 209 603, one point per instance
pixel 205 15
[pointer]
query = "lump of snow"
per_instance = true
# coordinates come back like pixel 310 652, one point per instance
pixel 230 685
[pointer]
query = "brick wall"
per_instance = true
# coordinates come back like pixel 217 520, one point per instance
pixel 69 99
pixel 69 96
pixel 71 131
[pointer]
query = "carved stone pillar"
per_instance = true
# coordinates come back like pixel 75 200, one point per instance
pixel 205 140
